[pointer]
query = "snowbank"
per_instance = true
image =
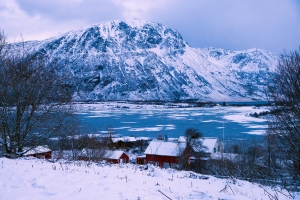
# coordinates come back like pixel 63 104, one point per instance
pixel 40 179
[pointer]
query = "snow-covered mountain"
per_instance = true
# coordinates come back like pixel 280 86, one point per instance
pixel 140 60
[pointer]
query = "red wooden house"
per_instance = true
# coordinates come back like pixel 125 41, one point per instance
pixel 164 153
pixel 39 152
pixel 116 157
pixel 168 153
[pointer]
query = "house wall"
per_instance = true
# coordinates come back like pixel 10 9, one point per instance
pixel 218 150
pixel 116 161
pixel 161 159
pixel 46 155
pixel 124 156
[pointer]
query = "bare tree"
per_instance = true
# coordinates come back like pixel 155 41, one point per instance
pixel 284 91
pixel 2 44
pixel 34 99
pixel 193 147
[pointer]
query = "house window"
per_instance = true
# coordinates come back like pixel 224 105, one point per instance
pixel 218 148
pixel 215 150
pixel 153 163
pixel 166 165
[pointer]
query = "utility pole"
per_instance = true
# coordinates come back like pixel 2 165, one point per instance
pixel 223 148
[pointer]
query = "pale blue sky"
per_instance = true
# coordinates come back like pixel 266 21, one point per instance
pixel 273 25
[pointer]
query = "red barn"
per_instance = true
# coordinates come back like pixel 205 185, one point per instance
pixel 116 157
pixel 39 152
pixel 164 153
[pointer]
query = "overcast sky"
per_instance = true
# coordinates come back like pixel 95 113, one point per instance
pixel 273 25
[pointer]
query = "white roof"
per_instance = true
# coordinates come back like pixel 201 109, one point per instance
pixel 124 139
pixel 209 143
pixel 38 149
pixel 114 154
pixel 181 139
pixel 164 148
pixel 108 153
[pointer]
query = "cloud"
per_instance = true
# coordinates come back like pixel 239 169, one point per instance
pixel 38 20
pixel 273 25
pixel 139 9
pixel 237 25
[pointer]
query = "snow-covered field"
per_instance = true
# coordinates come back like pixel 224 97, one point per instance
pixel 40 179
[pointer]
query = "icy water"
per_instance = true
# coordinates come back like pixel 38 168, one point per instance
pixel 174 122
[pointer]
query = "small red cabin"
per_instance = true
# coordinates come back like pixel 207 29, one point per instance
pixel 117 157
pixel 42 152
pixel 164 153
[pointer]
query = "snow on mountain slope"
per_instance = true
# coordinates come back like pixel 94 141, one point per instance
pixel 140 60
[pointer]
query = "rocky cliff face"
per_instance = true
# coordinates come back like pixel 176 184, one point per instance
pixel 140 60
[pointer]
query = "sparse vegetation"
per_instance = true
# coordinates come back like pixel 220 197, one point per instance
pixel 284 126
pixel 34 99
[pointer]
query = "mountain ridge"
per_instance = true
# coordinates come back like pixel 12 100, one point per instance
pixel 140 60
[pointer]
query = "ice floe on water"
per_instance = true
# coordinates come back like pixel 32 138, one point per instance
pixel 256 132
pixel 146 129
pixel 240 118
pixel 144 119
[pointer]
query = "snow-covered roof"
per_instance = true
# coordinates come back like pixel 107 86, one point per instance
pixel 36 150
pixel 114 154
pixel 181 139
pixel 124 139
pixel 164 148
pixel 209 143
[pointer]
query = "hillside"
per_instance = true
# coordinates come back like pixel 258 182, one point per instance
pixel 39 179
pixel 140 60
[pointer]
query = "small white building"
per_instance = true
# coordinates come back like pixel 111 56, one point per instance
pixel 210 146
pixel 213 145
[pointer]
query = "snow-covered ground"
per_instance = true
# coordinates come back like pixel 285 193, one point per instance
pixel 40 179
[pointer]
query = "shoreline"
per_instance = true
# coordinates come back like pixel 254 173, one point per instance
pixel 122 105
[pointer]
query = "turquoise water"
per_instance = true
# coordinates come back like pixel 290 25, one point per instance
pixel 174 122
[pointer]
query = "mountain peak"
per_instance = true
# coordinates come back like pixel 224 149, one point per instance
pixel 122 35
pixel 141 60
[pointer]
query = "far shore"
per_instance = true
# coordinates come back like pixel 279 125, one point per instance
pixel 121 105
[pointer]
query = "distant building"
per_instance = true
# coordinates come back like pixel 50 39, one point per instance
pixel 211 146
pixel 164 153
pixel 123 142
pixel 43 152
pixel 116 157
pixel 101 154
pixel 140 160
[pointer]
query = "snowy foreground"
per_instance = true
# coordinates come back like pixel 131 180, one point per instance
pixel 40 179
